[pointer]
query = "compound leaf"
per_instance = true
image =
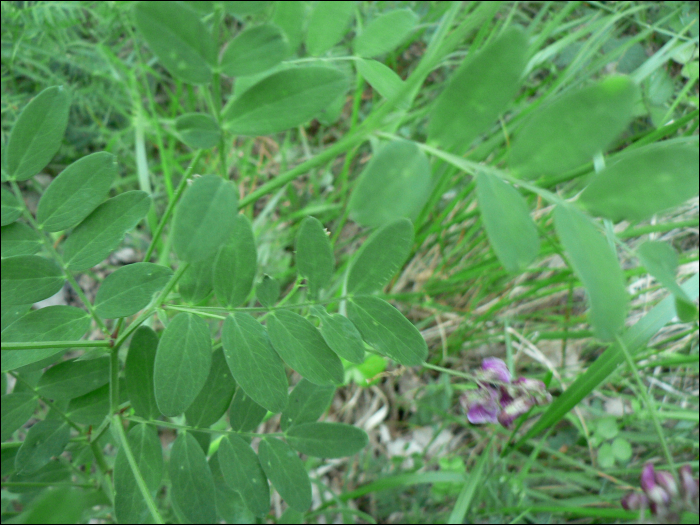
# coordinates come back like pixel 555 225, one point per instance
pixel 18 239
pixel 74 378
pixel 198 130
pixel 340 335
pixel 44 440
pixel 245 414
pixel 16 408
pixel 328 23
pixel 307 403
pixel 11 208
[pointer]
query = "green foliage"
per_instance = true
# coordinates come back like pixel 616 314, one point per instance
pixel 198 130
pixel 130 289
pixel 253 51
pixel 314 255
pixel 285 470
pixel 326 440
pixel 243 473
pixel 192 481
pixel 235 265
pixel 385 33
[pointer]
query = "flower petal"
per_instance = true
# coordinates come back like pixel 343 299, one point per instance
pixel 495 369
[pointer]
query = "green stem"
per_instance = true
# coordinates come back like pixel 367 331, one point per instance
pixel 175 426
pixel 53 344
pixel 48 402
pixel 104 470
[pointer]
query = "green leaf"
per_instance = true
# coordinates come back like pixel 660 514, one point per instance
pixel 507 220
pixel 204 218
pixel 340 335
pixel 16 411
pixel 573 128
pixel 256 367
pixel 56 505
pixel 138 372
pixel 11 208
pixel 314 255
pixel 644 181
pixel 130 289
pixel 661 261
pixel 213 401
pixel 307 403
pixel 129 505
pixel 622 450
pixel 396 183
pixel 284 100
pixel 301 346
pixel 385 33
pixel 596 265
pixel 236 265
pixel 198 130
pixel 192 481
pixel 37 134
pixel 11 313
pixel 197 281
pixel 49 474
pixel 327 440
pixel 18 239
pixel 245 414
pixel 243 473
pixel 91 408
pixel 328 23
pixel 178 38
pixel 183 361
pixel 76 192
pixel 44 440
pixel 241 8
pixel 387 330
pixel 74 378
pixel 268 291
pixel 98 235
pixel 380 257
pixel 53 323
pixel 286 472
pixel 479 91
pixel 383 80
pixel 27 279
pixel 289 17
pixel 229 504
pixel 254 50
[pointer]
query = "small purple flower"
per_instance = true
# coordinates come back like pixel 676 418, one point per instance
pixel 498 400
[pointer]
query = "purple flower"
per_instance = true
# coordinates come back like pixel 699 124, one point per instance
pixel 498 400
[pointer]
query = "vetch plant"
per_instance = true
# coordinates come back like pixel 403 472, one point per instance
pixel 189 386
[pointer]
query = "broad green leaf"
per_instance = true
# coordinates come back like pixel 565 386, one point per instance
pixel 44 440
pixel 90 408
pixel 130 289
pixel 11 208
pixel 383 80
pixel 16 411
pixel 53 323
pixel 27 279
pixel 328 23
pixel 49 474
pixel 385 33
pixel 56 505
pixel 327 440
pixel 213 401
pixel 178 38
pixel 74 378
pixel 395 184
pixel 18 239
pixel 286 472
pixel 662 261
pixel 596 265
pixel 289 17
pixel 229 504
pixel 301 346
pixel 268 291
pixel 507 220
pixel 573 128
pixel 9 314
pixel 254 50
pixel 254 364
pixel 244 8
pixel 284 100
pixel 192 482
pixel 138 372
pixel 183 361
pixel 76 192
pixel 204 218
pixel 479 91
pixel 245 414
pixel 635 339
pixel 37 134
pixel 101 232
pixel 236 265
pixel 380 257
pixel 387 330
pixel 314 255
pixel 307 403
pixel 340 335
pixel 197 281
pixel 198 130
pixel 643 182
pixel 129 505
pixel 243 473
